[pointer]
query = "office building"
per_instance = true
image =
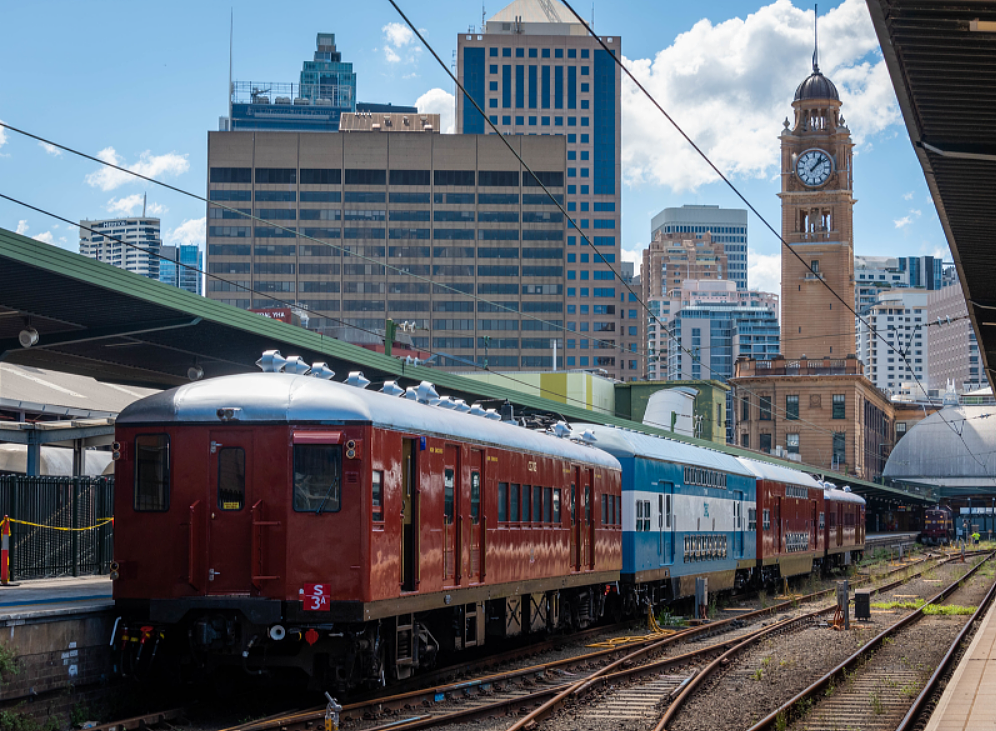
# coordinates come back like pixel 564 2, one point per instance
pixel 823 412
pixel 181 266
pixel 700 293
pixel 876 274
pixel 953 355
pixel 326 90
pixel 727 226
pixel 900 317
pixel 536 72
pixel 706 339
pixel 423 210
pixel 134 248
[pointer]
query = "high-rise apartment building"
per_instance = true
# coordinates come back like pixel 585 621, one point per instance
pixel 181 266
pixel 535 71
pixel 423 210
pixel 954 352
pixel 727 226
pixel 134 248
pixel 899 316
pixel 817 223
pixel 326 90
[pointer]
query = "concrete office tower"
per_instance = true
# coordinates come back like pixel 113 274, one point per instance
pixel 451 209
pixel 181 266
pixel 900 317
pixel 708 336
pixel 953 354
pixel 876 274
pixel 535 71
pixel 817 222
pixel 669 260
pixel 728 226
pixel 134 248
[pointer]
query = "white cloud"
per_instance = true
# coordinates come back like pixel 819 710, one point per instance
pixel 46 237
pixel 3 135
pixel 149 165
pixel 190 231
pixel 908 196
pixel 50 149
pixel 400 43
pixel 441 102
pixel 155 209
pixel 124 206
pixel 635 256
pixel 903 222
pixel 725 84
pixel 764 272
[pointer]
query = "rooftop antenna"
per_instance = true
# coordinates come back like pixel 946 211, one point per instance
pixel 145 199
pixel 816 39
pixel 592 13
pixel 231 41
pixel 484 17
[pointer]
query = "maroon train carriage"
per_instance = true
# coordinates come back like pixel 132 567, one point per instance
pixel 284 521
pixel 790 506
pixel 938 526
pixel 845 526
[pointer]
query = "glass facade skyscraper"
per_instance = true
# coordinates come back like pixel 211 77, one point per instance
pixel 181 266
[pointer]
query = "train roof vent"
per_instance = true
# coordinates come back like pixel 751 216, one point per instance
pixel 296 366
pixel 357 379
pixel 561 429
pixel 492 415
pixel 588 437
pixel 477 410
pixel 271 362
pixel 461 406
pixel 444 402
pixel 426 392
pixel 846 488
pixel 391 388
pixel 321 370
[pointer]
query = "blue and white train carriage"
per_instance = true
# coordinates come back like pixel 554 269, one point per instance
pixel 684 515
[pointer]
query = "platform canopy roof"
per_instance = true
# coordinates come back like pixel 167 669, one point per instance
pixel 941 57
pixel 97 320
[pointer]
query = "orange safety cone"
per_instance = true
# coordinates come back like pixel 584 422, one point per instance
pixel 5 551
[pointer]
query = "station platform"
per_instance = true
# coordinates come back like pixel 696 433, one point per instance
pixel 886 540
pixel 968 700
pixel 53 598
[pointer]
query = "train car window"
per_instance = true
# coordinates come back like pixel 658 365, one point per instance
pixel 502 502
pixel 317 469
pixel 151 473
pixel 449 480
pixel 377 495
pixel 572 505
pixel 823 521
pixel 752 519
pixel 527 493
pixel 513 503
pixel 556 505
pixel 537 503
pixel 766 524
pixel 587 503
pixel 605 508
pixel 475 498
pixel 547 504
pixel 667 511
pixel 231 478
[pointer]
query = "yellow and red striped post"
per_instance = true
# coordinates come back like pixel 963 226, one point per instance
pixel 5 551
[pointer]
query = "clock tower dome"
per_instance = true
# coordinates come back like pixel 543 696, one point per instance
pixel 817 216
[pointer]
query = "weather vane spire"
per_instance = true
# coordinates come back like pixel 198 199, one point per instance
pixel 816 39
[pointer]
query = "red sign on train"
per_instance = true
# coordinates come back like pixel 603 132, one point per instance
pixel 316 597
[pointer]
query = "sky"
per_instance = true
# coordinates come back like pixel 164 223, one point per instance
pixel 142 84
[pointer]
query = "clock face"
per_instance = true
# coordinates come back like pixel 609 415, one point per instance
pixel 813 167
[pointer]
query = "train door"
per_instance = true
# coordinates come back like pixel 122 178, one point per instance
pixel 589 518
pixel 738 524
pixel 776 520
pixel 575 498
pixel 409 514
pixel 472 501
pixel 840 524
pixel 812 532
pixel 230 518
pixel 665 522
pixel 451 508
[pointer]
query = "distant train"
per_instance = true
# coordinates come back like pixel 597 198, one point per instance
pixel 938 526
pixel 275 521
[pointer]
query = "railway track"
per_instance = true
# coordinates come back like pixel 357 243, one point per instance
pixel 885 685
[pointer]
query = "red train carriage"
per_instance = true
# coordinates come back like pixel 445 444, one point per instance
pixel 273 520
pixel 845 526
pixel 938 526
pixel 789 509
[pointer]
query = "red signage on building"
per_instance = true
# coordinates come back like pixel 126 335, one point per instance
pixel 279 313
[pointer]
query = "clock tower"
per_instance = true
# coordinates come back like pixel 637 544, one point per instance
pixel 817 216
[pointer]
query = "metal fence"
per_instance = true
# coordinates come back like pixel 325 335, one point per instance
pixel 59 525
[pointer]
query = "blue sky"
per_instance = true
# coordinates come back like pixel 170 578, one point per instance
pixel 143 83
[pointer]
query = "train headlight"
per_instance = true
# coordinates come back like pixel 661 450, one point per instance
pixel 277 632
pixel 115 575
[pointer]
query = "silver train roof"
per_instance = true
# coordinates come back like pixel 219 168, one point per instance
pixel 777 473
pixel 625 443
pixel 843 496
pixel 284 398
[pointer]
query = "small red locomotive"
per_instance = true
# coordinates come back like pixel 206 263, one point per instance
pixel 272 520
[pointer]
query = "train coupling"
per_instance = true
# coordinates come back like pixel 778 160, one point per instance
pixel 332 711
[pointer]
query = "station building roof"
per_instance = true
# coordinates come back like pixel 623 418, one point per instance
pixel 100 321
pixel 940 56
